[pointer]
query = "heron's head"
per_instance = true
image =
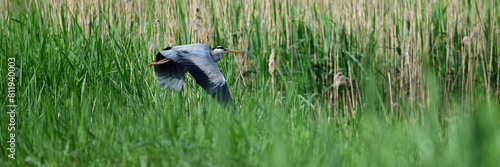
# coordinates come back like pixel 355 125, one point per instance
pixel 220 49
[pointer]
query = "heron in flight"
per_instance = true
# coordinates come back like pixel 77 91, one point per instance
pixel 199 60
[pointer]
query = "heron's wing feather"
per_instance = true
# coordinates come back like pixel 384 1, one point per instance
pixel 197 60
pixel 170 74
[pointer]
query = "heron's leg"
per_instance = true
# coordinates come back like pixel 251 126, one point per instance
pixel 165 60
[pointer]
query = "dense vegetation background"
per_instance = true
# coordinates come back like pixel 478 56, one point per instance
pixel 422 83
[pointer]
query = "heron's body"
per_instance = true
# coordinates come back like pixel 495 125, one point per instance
pixel 197 59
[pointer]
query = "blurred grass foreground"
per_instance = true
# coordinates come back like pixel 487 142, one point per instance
pixel 321 83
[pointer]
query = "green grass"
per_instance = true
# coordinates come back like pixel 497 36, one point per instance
pixel 423 86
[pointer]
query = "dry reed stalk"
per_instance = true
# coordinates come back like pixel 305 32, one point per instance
pixel 272 67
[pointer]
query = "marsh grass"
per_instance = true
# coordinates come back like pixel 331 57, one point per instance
pixel 422 83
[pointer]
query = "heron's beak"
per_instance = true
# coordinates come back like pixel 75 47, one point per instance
pixel 234 51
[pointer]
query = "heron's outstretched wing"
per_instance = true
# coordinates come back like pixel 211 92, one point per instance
pixel 170 74
pixel 197 60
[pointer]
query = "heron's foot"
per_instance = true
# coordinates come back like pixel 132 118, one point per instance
pixel 165 60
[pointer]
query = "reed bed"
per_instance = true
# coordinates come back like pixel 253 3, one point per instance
pixel 321 83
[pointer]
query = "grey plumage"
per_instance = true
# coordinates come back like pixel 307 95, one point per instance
pixel 199 60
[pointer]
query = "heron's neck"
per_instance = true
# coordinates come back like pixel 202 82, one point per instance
pixel 215 57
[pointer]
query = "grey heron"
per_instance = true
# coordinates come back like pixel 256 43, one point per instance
pixel 199 60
